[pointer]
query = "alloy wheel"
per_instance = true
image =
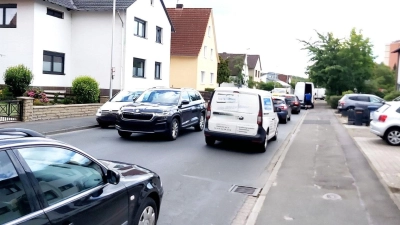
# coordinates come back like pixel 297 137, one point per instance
pixel 175 129
pixel 201 122
pixel 148 216
pixel 394 137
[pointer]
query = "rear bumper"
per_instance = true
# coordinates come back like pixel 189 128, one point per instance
pixel 259 138
pixel 377 128
pixel 282 114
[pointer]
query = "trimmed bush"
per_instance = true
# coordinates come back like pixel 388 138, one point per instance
pixel 86 90
pixel 333 101
pixel 392 95
pixel 18 78
pixel 347 92
pixel 209 89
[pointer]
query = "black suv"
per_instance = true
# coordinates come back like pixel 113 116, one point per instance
pixel 44 181
pixel 162 110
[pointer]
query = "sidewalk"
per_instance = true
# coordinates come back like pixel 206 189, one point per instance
pixel 325 179
pixel 49 127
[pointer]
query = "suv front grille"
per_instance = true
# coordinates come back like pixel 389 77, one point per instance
pixel 106 112
pixel 134 116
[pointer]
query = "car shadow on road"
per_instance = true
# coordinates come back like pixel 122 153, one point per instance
pixel 157 137
pixel 237 147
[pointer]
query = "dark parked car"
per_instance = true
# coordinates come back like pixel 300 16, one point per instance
pixel 294 102
pixel 44 181
pixel 162 110
pixel 286 110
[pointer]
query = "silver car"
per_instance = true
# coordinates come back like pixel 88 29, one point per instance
pixel 386 123
pixel 349 101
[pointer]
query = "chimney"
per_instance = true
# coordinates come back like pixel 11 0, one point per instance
pixel 179 6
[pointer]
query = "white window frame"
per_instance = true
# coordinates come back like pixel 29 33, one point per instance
pixel 211 78
pixel 211 55
pixel 202 76
pixel 209 31
pixel 205 52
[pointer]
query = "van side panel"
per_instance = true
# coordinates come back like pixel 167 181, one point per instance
pixel 234 113
pixel 299 91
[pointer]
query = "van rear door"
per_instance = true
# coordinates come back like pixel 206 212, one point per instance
pixel 234 112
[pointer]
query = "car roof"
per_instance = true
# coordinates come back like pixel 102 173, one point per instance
pixel 280 98
pixel 176 89
pixel 244 90
pixel 10 137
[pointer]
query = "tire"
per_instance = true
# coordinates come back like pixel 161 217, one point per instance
pixel 290 118
pixel 103 125
pixel 173 130
pixel 124 134
pixel 284 121
pixel 147 212
pixel 210 141
pixel 392 136
pixel 263 146
pixel 275 136
pixel 200 125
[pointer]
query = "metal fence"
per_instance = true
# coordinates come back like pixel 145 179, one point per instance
pixel 10 110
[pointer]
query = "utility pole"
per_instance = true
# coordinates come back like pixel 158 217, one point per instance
pixel 112 50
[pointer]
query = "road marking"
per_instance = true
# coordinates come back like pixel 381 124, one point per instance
pixel 280 156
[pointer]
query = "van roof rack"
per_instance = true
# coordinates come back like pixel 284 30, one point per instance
pixel 27 132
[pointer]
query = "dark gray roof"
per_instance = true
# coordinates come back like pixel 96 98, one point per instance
pixel 92 5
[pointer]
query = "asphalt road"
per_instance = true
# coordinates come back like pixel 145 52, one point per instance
pixel 196 178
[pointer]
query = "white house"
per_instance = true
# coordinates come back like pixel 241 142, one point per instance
pixel 234 61
pixel 62 39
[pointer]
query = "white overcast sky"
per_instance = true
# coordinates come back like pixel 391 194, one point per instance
pixel 271 28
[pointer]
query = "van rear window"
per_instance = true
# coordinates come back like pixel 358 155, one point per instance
pixel 236 102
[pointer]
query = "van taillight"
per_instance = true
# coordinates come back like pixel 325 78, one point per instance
pixel 259 118
pixel 382 118
pixel 208 113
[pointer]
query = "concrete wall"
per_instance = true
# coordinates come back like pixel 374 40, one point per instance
pixel 183 72
pixel 147 48
pixel 16 44
pixel 64 111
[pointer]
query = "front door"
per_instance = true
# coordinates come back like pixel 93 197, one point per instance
pixel 73 188
pixel 186 110
pixel 269 116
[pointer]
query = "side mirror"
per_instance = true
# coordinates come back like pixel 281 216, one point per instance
pixel 185 102
pixel 113 177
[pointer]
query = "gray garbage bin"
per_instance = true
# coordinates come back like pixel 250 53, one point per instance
pixel 351 116
pixel 359 116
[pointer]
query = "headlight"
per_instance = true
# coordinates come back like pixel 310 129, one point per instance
pixel 98 113
pixel 164 113
pixel 119 112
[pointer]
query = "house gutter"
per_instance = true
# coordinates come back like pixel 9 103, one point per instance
pixel 122 77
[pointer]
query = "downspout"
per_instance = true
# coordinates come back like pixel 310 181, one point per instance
pixel 122 77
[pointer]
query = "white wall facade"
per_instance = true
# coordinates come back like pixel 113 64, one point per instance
pixel 398 73
pixel 91 46
pixel 16 44
pixel 51 34
pixel 147 48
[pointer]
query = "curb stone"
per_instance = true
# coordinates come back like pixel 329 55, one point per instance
pixel 70 130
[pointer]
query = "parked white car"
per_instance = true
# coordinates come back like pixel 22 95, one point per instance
pixel 106 114
pixel 386 123
pixel 240 114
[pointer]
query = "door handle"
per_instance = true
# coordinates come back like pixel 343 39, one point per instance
pixel 240 117
pixel 273 119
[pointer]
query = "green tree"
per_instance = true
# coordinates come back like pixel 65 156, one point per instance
pixel 223 72
pixel 384 77
pixel 237 73
pixel 269 86
pixel 251 83
pixel 17 78
pixel 340 65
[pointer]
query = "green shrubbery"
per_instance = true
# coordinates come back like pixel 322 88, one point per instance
pixel 17 78
pixel 209 89
pixel 333 101
pixel 85 89
pixel 392 95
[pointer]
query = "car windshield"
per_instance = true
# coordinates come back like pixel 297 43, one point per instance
pixel 162 97
pixel 126 96
pixel 290 98
pixel 278 101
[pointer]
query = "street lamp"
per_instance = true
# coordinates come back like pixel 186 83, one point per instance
pixel 112 49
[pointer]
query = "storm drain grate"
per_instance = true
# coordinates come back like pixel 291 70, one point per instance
pixel 245 190
pixel 316 122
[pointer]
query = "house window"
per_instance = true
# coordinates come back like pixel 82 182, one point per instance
pixel 209 31
pixel 8 15
pixel 138 67
pixel 205 52
pixel 211 78
pixel 211 55
pixel 158 34
pixel 55 13
pixel 140 27
pixel 157 71
pixel 202 76
pixel 151 2
pixel 53 63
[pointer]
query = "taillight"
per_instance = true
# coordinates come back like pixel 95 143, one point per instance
pixel 260 118
pixel 283 107
pixel 296 103
pixel 382 118
pixel 208 113
pixel 341 103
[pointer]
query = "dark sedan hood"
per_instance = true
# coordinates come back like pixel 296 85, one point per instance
pixel 146 108
pixel 129 171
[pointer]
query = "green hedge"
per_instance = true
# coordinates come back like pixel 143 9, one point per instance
pixel 86 90
pixel 392 95
pixel 333 101
pixel 209 89
pixel 18 78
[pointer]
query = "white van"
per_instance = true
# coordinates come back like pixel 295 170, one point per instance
pixel 320 93
pixel 241 114
pixel 106 114
pixel 301 89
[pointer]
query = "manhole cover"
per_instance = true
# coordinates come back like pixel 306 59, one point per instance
pixel 316 122
pixel 332 196
pixel 245 190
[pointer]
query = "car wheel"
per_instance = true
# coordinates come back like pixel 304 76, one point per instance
pixel 200 125
pixel 103 125
pixel 124 134
pixel 275 136
pixel 147 213
pixel 263 146
pixel 284 121
pixel 290 117
pixel 392 136
pixel 210 141
pixel 173 130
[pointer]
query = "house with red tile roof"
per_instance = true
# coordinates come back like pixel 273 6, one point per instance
pixel 254 65
pixel 397 70
pixel 233 61
pixel 194 54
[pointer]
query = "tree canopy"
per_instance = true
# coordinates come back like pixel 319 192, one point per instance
pixel 340 64
pixel 223 71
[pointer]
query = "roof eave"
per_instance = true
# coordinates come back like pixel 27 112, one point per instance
pixel 396 51
pixel 169 18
